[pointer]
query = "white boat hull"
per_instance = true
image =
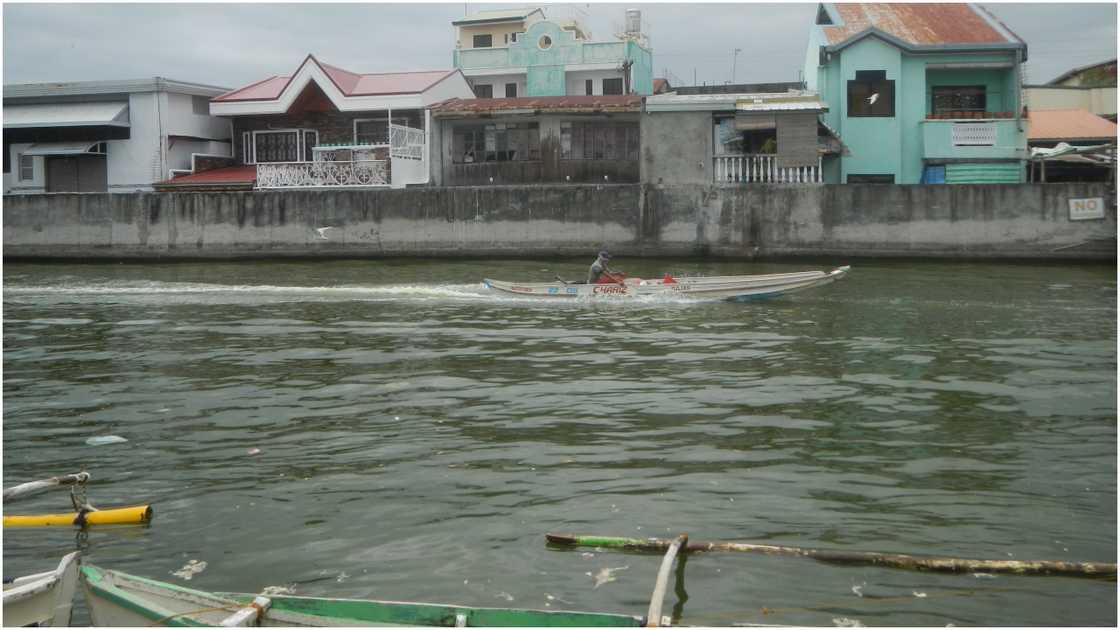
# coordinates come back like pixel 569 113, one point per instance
pixel 712 287
pixel 42 599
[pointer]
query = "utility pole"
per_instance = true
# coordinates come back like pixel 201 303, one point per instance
pixel 734 60
pixel 626 75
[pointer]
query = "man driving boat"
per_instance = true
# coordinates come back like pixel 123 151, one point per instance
pixel 599 269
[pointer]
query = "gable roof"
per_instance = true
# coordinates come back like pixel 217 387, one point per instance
pixel 349 83
pixel 497 15
pixel 1069 124
pixel 915 26
pixel 1070 73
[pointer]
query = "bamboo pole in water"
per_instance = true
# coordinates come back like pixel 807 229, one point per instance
pixel 31 487
pixel 1103 570
pixel 653 617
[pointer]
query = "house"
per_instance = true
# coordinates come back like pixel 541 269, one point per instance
pixel 1092 88
pixel 1071 145
pixel 322 126
pixel 519 52
pixel 919 93
pixel 526 140
pixel 107 136
pixel 735 135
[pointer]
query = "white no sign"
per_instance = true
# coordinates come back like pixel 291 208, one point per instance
pixel 1085 209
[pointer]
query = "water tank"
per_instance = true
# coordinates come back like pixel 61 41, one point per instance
pixel 633 21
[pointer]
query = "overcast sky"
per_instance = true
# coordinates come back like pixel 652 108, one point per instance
pixel 232 45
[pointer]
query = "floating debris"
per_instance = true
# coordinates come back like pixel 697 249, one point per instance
pixel 253 451
pixel 190 569
pixel 858 589
pixel 983 575
pixel 844 622
pixel 289 589
pixel 606 574
pixel 917 594
pixel 102 440
pixel 504 595
pixel 587 554
pixel 342 576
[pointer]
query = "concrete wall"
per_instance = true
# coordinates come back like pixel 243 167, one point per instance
pixel 676 147
pixel 977 221
pixel 1100 101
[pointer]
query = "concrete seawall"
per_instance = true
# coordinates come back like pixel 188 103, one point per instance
pixel 1030 221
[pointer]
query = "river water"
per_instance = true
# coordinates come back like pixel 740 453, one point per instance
pixel 419 435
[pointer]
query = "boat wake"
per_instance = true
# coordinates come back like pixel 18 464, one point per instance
pixel 183 292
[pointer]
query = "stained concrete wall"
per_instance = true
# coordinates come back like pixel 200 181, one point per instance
pixel 979 221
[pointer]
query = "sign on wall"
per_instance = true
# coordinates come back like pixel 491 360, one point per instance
pixel 1085 209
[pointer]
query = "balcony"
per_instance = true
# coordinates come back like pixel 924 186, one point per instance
pixel 587 53
pixel 475 58
pixel 350 174
pixel 995 137
pixel 762 169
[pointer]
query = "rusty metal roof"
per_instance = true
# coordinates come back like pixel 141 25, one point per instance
pixel 1068 124
pixel 919 24
pixel 458 107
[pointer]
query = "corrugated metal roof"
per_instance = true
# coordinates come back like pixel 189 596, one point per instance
pixel 776 101
pixel 85 88
pixel 227 175
pixel 919 24
pixel 349 83
pixel 531 104
pixel 496 15
pixel 66 115
pixel 60 148
pixel 1068 124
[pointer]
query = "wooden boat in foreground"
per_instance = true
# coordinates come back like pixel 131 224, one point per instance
pixel 120 599
pixel 737 288
pixel 42 599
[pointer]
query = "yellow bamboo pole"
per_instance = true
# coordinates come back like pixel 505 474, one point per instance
pixel 117 516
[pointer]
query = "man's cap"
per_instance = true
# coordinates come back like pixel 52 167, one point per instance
pixel 605 255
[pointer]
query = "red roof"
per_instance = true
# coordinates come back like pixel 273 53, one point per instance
pixel 349 83
pixel 227 175
pixel 919 24
pixel 572 104
pixel 1069 124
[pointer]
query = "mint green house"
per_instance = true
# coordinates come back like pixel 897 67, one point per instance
pixel 919 93
pixel 513 53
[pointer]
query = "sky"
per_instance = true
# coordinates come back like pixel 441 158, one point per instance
pixel 232 45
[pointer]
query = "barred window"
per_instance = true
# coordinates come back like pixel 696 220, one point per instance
pixel 966 98
pixel 599 141
pixel 498 142
pixel 871 95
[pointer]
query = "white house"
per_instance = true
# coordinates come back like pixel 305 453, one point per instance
pixel 107 136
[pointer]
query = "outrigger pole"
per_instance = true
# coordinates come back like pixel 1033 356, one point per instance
pixel 1100 570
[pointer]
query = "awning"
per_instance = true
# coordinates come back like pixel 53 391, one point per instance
pixel 63 148
pixel 66 115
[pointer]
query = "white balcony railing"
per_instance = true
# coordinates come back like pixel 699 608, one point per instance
pixel 762 169
pixel 322 174
pixel 407 142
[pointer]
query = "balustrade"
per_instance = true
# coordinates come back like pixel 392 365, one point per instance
pixel 323 174
pixel 762 169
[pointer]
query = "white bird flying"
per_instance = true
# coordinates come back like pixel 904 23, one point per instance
pixel 323 231
pixel 871 99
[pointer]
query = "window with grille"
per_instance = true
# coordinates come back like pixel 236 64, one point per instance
pixel 276 146
pixel 871 95
pixel 484 91
pixel 483 41
pixel 200 105
pixel 590 141
pixel 589 87
pixel 612 86
pixel 966 98
pixel 26 168
pixel 498 142
pixel 511 90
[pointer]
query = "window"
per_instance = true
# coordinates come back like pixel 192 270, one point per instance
pixel 545 42
pixel 276 146
pixel 483 41
pixel 310 140
pixel 200 105
pixel 596 141
pixel 589 87
pixel 247 148
pixel 513 37
pixel 967 98
pixel 484 91
pixel 376 130
pixel 26 168
pixel 871 95
pixel 498 142
pixel 871 179
pixel 505 38
pixel 612 86
pixel 511 90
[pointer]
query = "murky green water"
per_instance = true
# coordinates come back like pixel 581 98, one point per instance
pixel 418 435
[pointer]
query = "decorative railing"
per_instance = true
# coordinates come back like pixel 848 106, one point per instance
pixel 762 169
pixel 406 142
pixel 324 174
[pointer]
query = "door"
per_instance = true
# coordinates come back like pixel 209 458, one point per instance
pixel 77 173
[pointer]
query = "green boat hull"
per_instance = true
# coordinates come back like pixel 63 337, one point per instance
pixel 120 599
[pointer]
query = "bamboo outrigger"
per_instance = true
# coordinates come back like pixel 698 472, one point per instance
pixel 1101 570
